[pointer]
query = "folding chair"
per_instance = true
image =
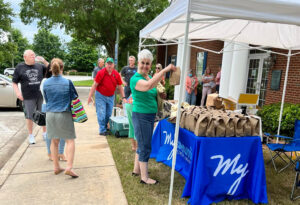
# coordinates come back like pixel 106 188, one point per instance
pixel 296 182
pixel 291 145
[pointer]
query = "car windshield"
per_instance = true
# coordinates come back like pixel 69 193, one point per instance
pixel 6 78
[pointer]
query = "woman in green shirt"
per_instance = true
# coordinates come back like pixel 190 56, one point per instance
pixel 143 89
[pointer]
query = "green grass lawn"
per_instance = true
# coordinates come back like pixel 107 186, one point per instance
pixel 84 83
pixel 279 186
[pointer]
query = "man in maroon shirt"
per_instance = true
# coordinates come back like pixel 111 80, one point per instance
pixel 105 84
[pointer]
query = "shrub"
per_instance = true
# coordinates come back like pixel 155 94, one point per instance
pixel 169 90
pixel 79 73
pixel 270 115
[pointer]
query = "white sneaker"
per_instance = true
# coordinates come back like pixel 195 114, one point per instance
pixel 31 139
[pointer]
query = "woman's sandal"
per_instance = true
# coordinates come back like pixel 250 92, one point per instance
pixel 58 171
pixel 143 182
pixel 135 174
pixel 71 173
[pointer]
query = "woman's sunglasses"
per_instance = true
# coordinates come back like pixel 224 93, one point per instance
pixel 158 68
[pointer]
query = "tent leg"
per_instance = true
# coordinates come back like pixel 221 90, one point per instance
pixel 283 93
pixel 181 89
pixel 140 44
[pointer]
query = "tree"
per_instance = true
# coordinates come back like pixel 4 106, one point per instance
pixel 47 45
pixel 5 16
pixel 20 44
pixel 6 47
pixel 81 56
pixel 96 21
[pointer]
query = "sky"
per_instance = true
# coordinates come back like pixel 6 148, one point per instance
pixel 29 30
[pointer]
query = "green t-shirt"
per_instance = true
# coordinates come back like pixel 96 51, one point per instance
pixel 143 102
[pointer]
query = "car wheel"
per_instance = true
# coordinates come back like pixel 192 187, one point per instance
pixel 7 74
pixel 20 105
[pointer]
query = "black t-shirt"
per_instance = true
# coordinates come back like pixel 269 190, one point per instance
pixel 127 72
pixel 30 78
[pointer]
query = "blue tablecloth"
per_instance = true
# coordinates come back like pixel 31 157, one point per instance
pixel 215 168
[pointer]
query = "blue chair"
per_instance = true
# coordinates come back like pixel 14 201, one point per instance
pixel 296 182
pixel 292 144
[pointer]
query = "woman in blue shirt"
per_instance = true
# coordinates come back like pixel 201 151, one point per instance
pixel 58 92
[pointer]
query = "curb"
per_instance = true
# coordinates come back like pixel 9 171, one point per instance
pixel 12 162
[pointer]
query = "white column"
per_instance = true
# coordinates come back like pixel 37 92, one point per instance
pixel 226 69
pixel 179 63
pixel 238 75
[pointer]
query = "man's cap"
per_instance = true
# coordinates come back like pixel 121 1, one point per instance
pixel 109 60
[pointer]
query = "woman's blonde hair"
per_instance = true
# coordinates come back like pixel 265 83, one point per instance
pixel 56 66
pixel 159 65
pixel 207 70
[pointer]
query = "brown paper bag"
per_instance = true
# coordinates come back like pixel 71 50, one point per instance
pixel 247 127
pixel 175 76
pixel 201 125
pixel 229 126
pixel 220 127
pixel 182 119
pixel 239 126
pixel 190 121
pixel 211 129
pixel 190 118
pixel 254 126
pixel 213 100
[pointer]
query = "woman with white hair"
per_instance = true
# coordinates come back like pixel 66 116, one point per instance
pixel 144 95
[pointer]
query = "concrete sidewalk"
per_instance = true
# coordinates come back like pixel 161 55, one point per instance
pixel 28 178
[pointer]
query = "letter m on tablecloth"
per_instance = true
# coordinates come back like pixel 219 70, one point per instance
pixel 226 165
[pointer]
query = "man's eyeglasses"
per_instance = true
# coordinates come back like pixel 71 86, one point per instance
pixel 142 62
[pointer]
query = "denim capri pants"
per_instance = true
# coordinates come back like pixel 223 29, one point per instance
pixel 143 124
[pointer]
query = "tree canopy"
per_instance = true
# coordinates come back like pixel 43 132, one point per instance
pixel 47 45
pixel 96 21
pixel 80 56
pixel 20 44
pixel 5 16
pixel 6 47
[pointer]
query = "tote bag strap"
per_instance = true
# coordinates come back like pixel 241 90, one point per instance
pixel 72 91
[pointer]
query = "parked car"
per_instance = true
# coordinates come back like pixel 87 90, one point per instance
pixel 9 71
pixel 8 97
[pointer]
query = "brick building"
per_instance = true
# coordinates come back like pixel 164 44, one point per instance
pixel 259 72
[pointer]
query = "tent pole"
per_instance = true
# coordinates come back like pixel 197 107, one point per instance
pixel 181 89
pixel 140 44
pixel 284 90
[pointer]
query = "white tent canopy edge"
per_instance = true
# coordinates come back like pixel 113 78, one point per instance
pixel 245 21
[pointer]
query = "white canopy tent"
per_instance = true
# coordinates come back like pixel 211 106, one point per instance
pixel 268 23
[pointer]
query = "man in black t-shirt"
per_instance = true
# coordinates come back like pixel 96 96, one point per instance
pixel 127 72
pixel 30 74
